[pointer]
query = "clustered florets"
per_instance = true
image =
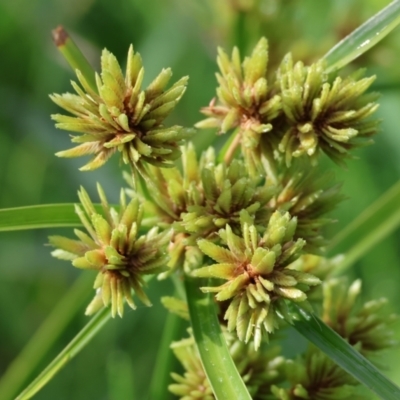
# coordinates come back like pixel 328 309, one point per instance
pixel 249 222
pixel 258 274
pixel 115 248
pixel 300 112
pixel 259 369
pixel 121 116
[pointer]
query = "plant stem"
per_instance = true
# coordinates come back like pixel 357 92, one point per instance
pixel 232 149
pixel 74 56
pixel 164 362
pixel 340 351
pixel 219 367
pixel 228 151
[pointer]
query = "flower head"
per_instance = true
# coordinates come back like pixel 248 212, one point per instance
pixel 308 197
pixel 244 99
pixel 115 248
pixel 205 196
pixel 257 274
pixel 367 326
pixel 258 369
pixel 315 376
pixel 332 117
pixel 121 116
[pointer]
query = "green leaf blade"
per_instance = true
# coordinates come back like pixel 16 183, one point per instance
pixel 341 352
pixel 217 362
pixel 364 37
pixel 37 217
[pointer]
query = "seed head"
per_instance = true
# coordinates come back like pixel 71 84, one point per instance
pixel 258 369
pixel 121 116
pixel 115 248
pixel 332 117
pixel 366 326
pixel 258 275
pixel 315 376
pixel 244 100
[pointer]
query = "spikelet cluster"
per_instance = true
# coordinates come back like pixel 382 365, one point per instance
pixel 121 116
pixel 315 376
pixel 366 326
pixel 299 112
pixel 258 275
pixel 258 369
pixel 204 197
pixel 308 196
pixel 244 99
pixel 323 116
pixel 115 249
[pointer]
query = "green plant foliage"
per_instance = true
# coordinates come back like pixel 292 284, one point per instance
pixel 258 274
pixel 233 216
pixel 114 248
pixel 122 116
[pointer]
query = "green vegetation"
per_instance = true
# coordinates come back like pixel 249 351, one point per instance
pixel 230 203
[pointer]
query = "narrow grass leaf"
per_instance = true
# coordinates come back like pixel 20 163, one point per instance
pixel 335 347
pixel 364 37
pixel 217 362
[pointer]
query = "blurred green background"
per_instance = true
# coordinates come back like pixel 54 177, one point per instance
pixel 182 34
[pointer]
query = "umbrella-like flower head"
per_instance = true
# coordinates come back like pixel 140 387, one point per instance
pixel 115 248
pixel 121 116
pixel 332 117
pixel 244 99
pixel 257 274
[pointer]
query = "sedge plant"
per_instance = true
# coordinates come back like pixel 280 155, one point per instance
pixel 240 230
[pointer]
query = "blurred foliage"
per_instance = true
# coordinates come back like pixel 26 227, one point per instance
pixel 182 35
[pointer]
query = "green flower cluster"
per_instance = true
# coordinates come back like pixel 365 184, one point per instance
pixel 114 248
pixel 121 116
pixel 206 196
pixel 245 101
pixel 315 376
pixel 332 117
pixel 250 224
pixel 258 275
pixel 259 369
pixel 299 113
pixel 367 326
pixel 308 196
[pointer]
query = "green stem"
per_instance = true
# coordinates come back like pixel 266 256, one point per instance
pixel 228 150
pixel 219 367
pixel 165 360
pixel 74 56
pixel 340 351
pixel 364 37
pixel 69 352
pixel 40 343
